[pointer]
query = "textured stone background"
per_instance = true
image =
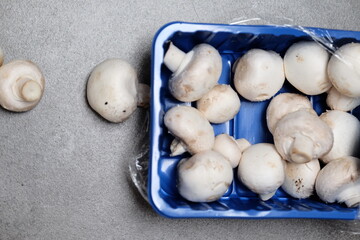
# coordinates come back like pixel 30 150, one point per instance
pixel 64 170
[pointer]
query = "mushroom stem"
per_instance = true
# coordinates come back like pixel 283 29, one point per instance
pixel 143 95
pixel 350 195
pixel 267 196
pixel 177 147
pixel 27 89
pixel 31 91
pixel 173 57
pixel 1 57
pixel 301 149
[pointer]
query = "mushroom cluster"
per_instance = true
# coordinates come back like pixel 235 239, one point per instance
pixel 21 84
pixel 301 137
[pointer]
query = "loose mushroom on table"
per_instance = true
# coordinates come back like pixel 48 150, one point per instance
pixel 113 90
pixel 21 85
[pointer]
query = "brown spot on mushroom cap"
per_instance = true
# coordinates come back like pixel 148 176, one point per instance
pixel 271 164
pixel 299 58
pixel 188 164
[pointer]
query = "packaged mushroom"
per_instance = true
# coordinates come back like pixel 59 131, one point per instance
pixel 194 73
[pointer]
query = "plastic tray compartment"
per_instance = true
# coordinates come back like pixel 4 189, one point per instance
pixel 232 41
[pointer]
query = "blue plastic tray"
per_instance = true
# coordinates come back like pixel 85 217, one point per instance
pixel 232 41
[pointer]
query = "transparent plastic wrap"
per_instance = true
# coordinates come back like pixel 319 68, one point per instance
pixel 139 166
pixel 162 193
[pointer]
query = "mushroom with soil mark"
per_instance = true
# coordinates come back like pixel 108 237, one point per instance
pixel 339 181
pixel 346 131
pixel 261 169
pixel 205 177
pixel 113 90
pixel 194 73
pixel 190 127
pixel 302 136
pixel 220 104
pixel 300 178
pixel 259 74
pixel 305 65
pixel 283 104
pixel 344 70
pixel 21 85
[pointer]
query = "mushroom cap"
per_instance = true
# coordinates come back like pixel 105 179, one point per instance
pixel 339 181
pixel 305 65
pixel 300 178
pixel 344 70
pixel 204 177
pixel 21 85
pixel 112 90
pixel 346 131
pixel 338 101
pixel 228 147
pixel 1 57
pixel 198 73
pixel 191 127
pixel 302 136
pixel 261 169
pixel 220 104
pixel 259 74
pixel 283 104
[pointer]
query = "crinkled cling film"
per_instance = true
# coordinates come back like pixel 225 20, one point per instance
pixel 139 165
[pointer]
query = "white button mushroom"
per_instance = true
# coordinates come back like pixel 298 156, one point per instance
pixel 220 104
pixel 261 169
pixel 305 65
pixel 339 181
pixel 194 73
pixel 338 101
pixel 112 90
pixel 302 136
pixel 283 104
pixel 346 131
pixel 1 57
pixel 191 127
pixel 344 70
pixel 21 85
pixel 204 177
pixel 300 178
pixel 259 74
pixel 228 147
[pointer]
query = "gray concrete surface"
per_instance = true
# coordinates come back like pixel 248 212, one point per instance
pixel 64 170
